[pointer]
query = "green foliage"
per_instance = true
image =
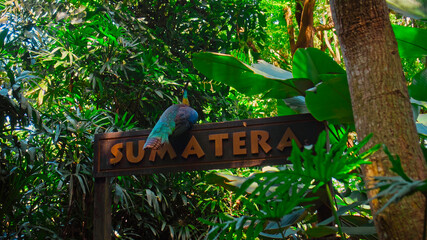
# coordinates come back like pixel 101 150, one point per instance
pixel 333 83
pixel 310 63
pixel 395 188
pixel 282 198
pixel 337 163
pixel 411 41
pixel 318 78
pixel 330 100
pixel 411 8
pixel 258 78
pixel 421 125
pixel 418 87
pixel 417 91
pixel 70 70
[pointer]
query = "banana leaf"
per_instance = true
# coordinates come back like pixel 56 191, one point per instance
pixel 261 77
pixel 411 41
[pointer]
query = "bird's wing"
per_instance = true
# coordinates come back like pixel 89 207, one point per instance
pixel 163 128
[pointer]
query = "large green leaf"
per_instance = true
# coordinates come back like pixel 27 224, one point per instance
pixel 411 41
pixel 311 63
pixel 330 99
pixel 267 69
pixel 283 109
pixel 320 231
pixel 229 182
pixel 422 124
pixel 418 87
pixel 275 227
pixel 294 105
pixel 284 89
pixel 359 227
pixel 411 8
pixel 287 233
pixel 249 80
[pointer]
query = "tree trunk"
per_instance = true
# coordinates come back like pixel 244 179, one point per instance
pixel 381 106
pixel 306 33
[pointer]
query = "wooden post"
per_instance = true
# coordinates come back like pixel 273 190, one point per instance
pixel 102 209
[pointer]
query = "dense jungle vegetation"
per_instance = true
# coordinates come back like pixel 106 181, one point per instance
pixel 73 69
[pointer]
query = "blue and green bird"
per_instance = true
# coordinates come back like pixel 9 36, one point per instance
pixel 177 119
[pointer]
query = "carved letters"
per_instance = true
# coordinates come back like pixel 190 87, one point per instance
pixel 242 143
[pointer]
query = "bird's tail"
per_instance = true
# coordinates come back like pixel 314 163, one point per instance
pixel 153 143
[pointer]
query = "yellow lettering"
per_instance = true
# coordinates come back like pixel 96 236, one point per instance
pixel 129 151
pixel 259 138
pixel 115 150
pixel 218 142
pixel 162 152
pixel 286 140
pixel 238 143
pixel 193 147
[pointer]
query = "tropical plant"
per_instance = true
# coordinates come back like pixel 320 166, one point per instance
pixel 318 83
pixel 72 69
pixel 278 201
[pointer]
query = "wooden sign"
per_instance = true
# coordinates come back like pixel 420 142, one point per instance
pixel 245 143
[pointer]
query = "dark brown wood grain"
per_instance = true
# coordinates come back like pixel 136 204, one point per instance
pixel 102 209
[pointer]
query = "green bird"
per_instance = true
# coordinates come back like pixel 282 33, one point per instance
pixel 176 120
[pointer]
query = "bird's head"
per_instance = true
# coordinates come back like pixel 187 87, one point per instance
pixel 185 98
